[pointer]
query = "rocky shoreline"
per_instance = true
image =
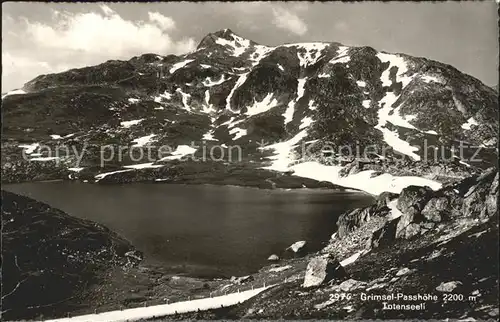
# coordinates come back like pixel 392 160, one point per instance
pixel 418 242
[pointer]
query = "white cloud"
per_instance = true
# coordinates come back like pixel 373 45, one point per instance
pixel 80 39
pixel 288 20
pixel 165 23
pixel 109 33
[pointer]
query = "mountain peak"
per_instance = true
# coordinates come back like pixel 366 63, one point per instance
pixel 224 33
pixel 227 34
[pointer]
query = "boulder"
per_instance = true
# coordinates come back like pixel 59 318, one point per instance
pixel 273 258
pixel 351 285
pixel 406 224
pixel 414 197
pixel 404 271
pixel 436 209
pixel 448 287
pixel 321 270
pixel 241 279
pixel 297 248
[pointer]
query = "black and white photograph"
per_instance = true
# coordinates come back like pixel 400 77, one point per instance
pixel 267 160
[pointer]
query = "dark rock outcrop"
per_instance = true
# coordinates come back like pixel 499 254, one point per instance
pixel 384 236
pixel 413 198
pixel 356 218
pixel 50 258
pixel 474 197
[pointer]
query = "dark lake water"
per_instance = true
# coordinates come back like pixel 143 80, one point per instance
pixel 202 229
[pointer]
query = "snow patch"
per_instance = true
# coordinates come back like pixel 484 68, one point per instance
pixel 179 65
pixel 342 56
pixel 361 83
pixel 260 107
pixel 143 140
pixel 238 133
pixel 180 151
pixel 14 92
pixel 209 136
pixel 231 123
pixel 394 211
pixel 288 114
pixel 470 122
pixel 260 52
pixel 58 137
pixel 311 105
pixel 166 95
pixel 209 83
pixel 397 61
pixel 238 45
pixel 148 165
pixel 283 152
pixel 310 53
pixel 44 159
pixel 207 107
pixel 305 122
pixel 392 139
pixel 239 82
pixel 105 174
pixel 29 148
pixel 127 124
pixel 134 100
pixel 366 103
pixel 361 180
pixel 185 98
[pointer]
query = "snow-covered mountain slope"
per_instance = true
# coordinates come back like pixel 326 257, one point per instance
pixel 273 102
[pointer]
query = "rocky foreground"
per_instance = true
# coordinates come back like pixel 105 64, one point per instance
pixel 50 258
pixel 437 250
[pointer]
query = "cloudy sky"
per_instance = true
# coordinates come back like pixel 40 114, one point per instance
pixel 41 38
